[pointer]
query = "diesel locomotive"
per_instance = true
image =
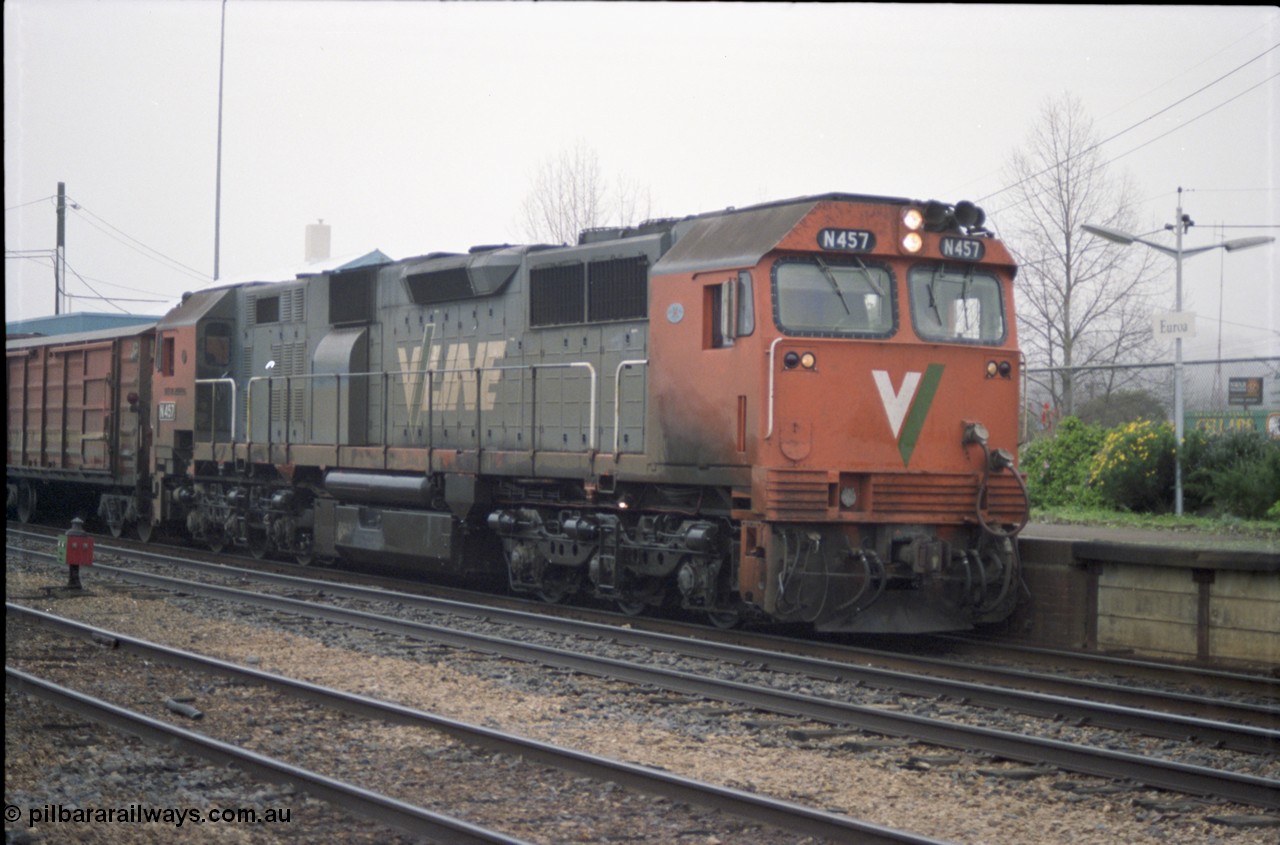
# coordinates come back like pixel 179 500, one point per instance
pixel 802 411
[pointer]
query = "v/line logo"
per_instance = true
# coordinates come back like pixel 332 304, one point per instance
pixel 908 405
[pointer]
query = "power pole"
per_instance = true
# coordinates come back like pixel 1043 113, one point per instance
pixel 217 190
pixel 60 255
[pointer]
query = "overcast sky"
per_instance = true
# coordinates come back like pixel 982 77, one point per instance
pixel 414 127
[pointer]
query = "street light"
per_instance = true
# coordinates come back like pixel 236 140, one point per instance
pixel 1183 222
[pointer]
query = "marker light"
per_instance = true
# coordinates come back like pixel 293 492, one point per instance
pixel 992 369
pixel 808 361
pixel 791 360
pixel 912 242
pixel 913 219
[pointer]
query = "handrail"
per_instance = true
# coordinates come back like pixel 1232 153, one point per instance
pixel 617 396
pixel 429 374
pixel 213 417
pixel 772 373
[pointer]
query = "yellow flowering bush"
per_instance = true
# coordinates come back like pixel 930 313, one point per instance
pixel 1134 468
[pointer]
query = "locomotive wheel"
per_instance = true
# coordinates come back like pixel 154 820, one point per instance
pixel 304 555
pixel 116 529
pixel 144 529
pixel 258 544
pixel 553 593
pixel 724 619
pixel 554 590
pixel 26 503
pixel 631 608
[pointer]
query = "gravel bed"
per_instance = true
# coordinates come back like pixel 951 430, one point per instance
pixel 896 784
pixel 1188 752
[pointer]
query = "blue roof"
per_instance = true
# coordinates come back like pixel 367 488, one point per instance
pixel 75 323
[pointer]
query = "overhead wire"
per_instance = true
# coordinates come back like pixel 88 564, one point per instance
pixel 134 243
pixel 98 296
pixel 1144 120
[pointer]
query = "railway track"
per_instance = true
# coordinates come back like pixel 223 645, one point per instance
pixel 372 805
pixel 1102 678
pixel 1041 751
pixel 787 816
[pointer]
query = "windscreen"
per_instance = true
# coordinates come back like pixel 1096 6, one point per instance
pixel 823 297
pixel 956 304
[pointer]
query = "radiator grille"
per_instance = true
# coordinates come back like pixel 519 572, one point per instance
pixel 945 495
pixel 796 495
pixel 806 496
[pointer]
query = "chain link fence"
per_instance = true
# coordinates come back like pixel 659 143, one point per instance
pixel 1217 395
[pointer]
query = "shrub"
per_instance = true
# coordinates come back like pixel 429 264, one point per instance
pixel 1057 467
pixel 1120 407
pixel 1134 468
pixel 1237 472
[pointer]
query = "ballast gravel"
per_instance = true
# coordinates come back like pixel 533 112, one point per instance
pixel 53 758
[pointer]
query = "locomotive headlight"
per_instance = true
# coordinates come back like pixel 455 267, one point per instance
pixel 848 497
pixel 913 219
pixel 912 242
pixel 808 361
pixel 992 369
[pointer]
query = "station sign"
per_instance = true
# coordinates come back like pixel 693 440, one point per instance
pixel 1169 325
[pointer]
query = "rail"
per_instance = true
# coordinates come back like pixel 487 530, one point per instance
pixel 376 806
pixel 789 816
pixel 1084 759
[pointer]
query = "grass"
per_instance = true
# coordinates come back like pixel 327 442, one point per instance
pixel 1191 524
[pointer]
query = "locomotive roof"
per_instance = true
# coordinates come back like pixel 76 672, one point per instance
pixel 742 236
pixel 195 306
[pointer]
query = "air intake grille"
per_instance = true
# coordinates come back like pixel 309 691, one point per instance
pixel 945 496
pixel 796 495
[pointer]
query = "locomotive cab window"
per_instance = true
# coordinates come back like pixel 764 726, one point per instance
pixel 956 305
pixel 729 309
pixel 828 297
pixel 217 345
pixel 164 361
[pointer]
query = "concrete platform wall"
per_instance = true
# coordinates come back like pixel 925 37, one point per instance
pixel 1163 603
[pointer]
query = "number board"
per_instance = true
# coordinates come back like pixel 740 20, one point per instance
pixel 847 240
pixel 963 249
pixel 168 411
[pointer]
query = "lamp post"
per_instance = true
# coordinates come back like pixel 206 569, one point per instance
pixel 1180 226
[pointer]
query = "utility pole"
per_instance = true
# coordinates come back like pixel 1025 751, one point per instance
pixel 217 190
pixel 60 254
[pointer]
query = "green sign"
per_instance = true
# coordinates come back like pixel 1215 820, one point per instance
pixel 1220 422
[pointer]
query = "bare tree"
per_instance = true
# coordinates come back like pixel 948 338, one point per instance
pixel 568 195
pixel 1080 303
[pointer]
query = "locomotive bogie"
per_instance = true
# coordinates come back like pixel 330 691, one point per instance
pixel 803 411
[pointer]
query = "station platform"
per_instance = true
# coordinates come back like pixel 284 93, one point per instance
pixel 1185 540
pixel 1193 596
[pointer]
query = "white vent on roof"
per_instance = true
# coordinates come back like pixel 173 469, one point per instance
pixel 317 242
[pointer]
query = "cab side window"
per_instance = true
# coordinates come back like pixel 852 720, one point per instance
pixel 730 310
